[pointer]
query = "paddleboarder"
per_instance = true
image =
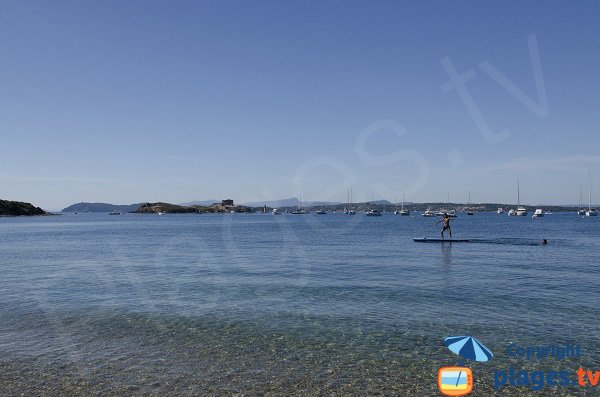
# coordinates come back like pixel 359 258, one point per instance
pixel 446 220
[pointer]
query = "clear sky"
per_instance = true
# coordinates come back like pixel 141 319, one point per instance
pixel 130 101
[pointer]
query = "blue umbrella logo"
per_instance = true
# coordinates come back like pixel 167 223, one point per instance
pixel 469 348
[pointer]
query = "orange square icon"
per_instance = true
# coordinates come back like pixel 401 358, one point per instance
pixel 455 381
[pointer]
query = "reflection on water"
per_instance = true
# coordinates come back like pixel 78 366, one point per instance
pixel 447 254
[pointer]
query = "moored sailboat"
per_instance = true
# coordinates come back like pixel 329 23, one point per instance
pixel 402 210
pixel 591 211
pixel 520 211
pixel 469 210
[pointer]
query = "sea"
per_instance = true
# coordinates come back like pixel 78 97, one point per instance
pixel 292 305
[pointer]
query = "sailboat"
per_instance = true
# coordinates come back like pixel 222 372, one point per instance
pixel 350 210
pixel 581 210
pixel 372 211
pixel 520 211
pixel 591 211
pixel 469 211
pixel 299 210
pixel 347 205
pixel 404 212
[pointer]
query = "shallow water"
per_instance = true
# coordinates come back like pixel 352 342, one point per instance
pixel 286 305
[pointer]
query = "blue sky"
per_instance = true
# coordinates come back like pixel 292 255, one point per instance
pixel 175 101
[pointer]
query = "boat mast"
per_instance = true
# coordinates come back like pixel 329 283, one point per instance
pixel 590 195
pixel 347 201
pixel 402 201
pixel 518 194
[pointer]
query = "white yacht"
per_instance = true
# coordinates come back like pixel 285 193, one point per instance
pixel 115 212
pixel 445 211
pixel 428 213
pixel 500 210
pixel 450 213
pixel 538 213
pixel 276 211
pixel 512 212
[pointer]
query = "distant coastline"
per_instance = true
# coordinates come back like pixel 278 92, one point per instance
pixel 227 206
pixel 18 208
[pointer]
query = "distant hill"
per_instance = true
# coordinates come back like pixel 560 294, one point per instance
pixel 289 202
pixel 100 207
pixel 380 202
pixel 18 208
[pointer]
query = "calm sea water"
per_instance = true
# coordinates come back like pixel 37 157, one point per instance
pixel 285 305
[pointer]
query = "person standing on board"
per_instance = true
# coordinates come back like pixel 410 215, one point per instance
pixel 446 220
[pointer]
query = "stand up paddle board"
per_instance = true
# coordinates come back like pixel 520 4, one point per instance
pixel 439 240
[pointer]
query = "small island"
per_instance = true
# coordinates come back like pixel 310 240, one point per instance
pixel 18 208
pixel 225 206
